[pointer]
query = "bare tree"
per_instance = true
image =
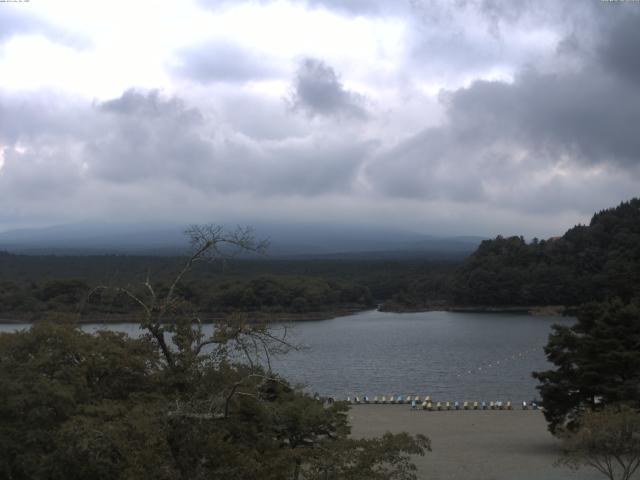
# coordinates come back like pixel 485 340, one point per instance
pixel 177 330
pixel 607 440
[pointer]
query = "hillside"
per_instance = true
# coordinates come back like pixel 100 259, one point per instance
pixel 589 262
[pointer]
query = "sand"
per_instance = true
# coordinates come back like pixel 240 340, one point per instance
pixel 473 445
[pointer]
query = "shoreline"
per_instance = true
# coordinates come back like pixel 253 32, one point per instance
pixel 113 318
pixel 533 310
pixel 282 317
pixel 472 444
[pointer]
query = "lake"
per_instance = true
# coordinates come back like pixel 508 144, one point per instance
pixel 450 356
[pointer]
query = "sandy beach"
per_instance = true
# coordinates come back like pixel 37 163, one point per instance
pixel 473 445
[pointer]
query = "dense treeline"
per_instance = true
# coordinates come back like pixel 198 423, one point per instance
pixel 269 294
pixel 587 263
pixel 39 286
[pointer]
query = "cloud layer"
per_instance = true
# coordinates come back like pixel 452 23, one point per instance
pixel 480 116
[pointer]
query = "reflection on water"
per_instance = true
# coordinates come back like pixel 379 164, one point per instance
pixel 450 356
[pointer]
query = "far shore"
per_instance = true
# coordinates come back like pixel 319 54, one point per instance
pixel 111 318
pixel 535 310
pixel 473 444
pixel 277 317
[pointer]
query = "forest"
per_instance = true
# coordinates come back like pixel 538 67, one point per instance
pixel 36 287
pixel 589 262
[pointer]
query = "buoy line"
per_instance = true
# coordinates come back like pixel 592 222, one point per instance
pixel 427 403
pixel 498 363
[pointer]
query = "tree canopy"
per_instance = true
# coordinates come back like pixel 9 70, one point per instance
pixel 174 403
pixel 597 363
pixel 607 440
pixel 593 262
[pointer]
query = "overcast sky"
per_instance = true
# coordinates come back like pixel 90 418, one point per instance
pixel 444 117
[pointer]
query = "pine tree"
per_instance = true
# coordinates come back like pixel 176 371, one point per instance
pixel 597 363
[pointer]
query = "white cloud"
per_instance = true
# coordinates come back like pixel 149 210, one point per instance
pixel 180 109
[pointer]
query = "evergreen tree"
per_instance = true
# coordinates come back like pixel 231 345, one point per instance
pixel 597 363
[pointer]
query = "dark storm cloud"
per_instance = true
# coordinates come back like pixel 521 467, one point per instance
pixel 216 62
pixel 508 141
pixel 591 116
pixel 317 90
pixel 620 51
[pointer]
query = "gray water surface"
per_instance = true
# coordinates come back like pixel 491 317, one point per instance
pixel 450 356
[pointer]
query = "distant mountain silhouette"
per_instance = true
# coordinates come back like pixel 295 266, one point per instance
pixel 285 240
